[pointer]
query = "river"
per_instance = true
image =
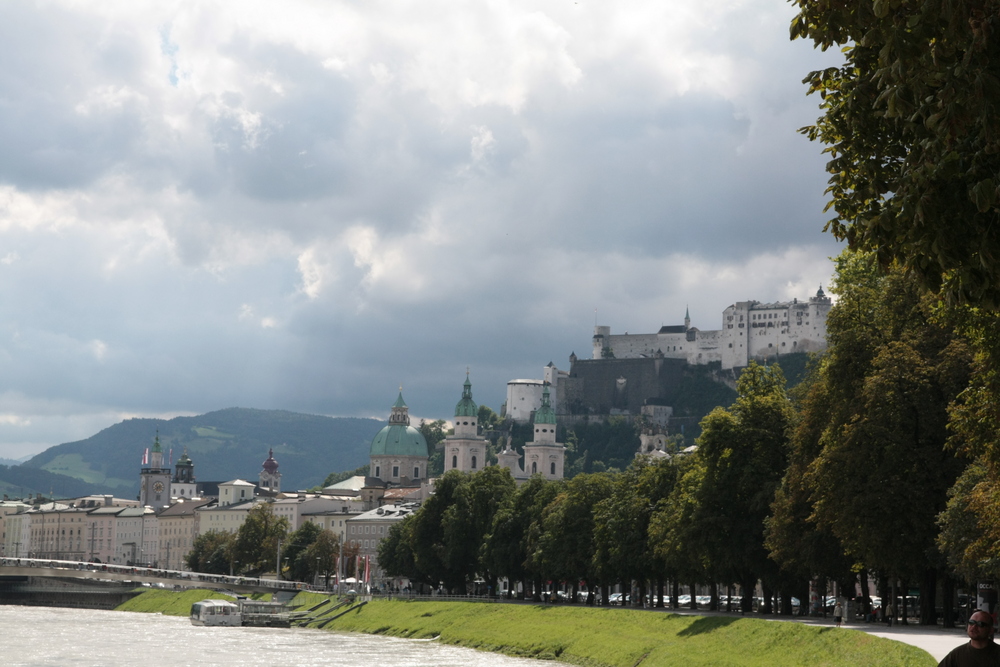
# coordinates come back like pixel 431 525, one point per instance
pixel 59 637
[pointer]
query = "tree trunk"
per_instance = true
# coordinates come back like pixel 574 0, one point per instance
pixel 605 591
pixel 768 609
pixel 928 597
pixel 746 602
pixel 948 591
pixel 659 593
pixel 729 597
pixel 675 593
pixel 693 604
pixel 713 603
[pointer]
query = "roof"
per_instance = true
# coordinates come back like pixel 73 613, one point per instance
pixel 399 440
pixel 185 507
pixel 674 329
pixel 387 513
pixel 237 482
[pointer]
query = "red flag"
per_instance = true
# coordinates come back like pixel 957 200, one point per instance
pixel 145 457
pixel 357 567
pixel 368 568
pixel 170 461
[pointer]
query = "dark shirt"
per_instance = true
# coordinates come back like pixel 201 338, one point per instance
pixel 966 656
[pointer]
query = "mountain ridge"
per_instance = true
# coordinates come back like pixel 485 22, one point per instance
pixel 223 444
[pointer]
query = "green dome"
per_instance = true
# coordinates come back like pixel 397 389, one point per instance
pixel 466 407
pixel 399 440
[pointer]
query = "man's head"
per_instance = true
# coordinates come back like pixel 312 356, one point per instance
pixel 980 627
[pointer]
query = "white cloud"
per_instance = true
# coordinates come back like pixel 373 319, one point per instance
pixel 383 192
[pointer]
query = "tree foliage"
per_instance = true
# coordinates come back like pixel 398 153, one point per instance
pixel 211 552
pixel 255 549
pixel 909 124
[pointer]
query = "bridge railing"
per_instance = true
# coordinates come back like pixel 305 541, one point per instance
pixel 182 576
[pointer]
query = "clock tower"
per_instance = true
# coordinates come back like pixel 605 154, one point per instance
pixel 154 481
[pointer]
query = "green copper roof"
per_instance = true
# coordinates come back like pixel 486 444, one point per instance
pixel 399 440
pixel 184 459
pixel 545 414
pixel 399 401
pixel 466 407
pixel 156 445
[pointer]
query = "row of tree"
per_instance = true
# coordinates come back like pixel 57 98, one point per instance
pixel 879 465
pixel 263 539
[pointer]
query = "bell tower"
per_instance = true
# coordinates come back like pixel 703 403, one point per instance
pixel 154 480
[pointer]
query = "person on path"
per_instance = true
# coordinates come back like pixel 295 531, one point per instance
pixel 980 649
pixel 890 613
pixel 838 613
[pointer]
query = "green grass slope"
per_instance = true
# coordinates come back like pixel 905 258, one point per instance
pixel 623 637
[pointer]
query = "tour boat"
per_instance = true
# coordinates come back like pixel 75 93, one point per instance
pixel 215 612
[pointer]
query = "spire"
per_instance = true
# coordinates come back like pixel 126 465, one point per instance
pixel 270 465
pixel 687 317
pixel 545 414
pixel 466 407
pixel 156 443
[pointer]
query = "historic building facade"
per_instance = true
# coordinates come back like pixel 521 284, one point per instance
pixel 751 330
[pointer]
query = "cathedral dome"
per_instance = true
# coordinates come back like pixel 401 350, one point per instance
pixel 399 438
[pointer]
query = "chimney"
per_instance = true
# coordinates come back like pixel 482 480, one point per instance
pixel 107 501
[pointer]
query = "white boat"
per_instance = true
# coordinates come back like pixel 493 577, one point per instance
pixel 215 612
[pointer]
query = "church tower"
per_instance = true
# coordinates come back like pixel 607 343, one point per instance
pixel 154 481
pixel 270 478
pixel 465 450
pixel 183 484
pixel 543 455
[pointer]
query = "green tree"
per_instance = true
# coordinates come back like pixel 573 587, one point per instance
pixel 508 544
pixel 395 552
pixel 256 547
pixel 468 520
pixel 744 451
pixel 323 554
pixel 881 476
pixel 294 551
pixel 211 552
pixel 566 545
pixel 908 121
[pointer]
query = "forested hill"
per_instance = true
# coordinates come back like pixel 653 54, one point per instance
pixel 223 445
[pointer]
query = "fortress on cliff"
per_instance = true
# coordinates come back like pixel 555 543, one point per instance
pixel 751 330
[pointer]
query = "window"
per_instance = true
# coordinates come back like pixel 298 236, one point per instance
pixel 395 471
pixel 553 470
pixel 473 462
pixel 416 473
pixel 454 461
pixel 534 467
pixel 378 471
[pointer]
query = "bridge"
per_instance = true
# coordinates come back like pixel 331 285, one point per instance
pixel 98 574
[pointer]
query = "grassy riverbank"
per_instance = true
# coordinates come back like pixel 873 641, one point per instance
pixel 598 637
pixel 625 637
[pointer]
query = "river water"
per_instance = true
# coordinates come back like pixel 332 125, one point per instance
pixel 58 637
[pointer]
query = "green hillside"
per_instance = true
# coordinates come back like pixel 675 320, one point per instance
pixel 224 445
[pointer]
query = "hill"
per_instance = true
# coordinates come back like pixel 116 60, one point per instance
pixel 224 445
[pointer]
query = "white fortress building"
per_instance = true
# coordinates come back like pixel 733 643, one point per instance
pixel 751 330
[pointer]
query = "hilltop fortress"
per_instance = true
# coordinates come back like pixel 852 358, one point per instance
pixel 634 374
pixel 751 330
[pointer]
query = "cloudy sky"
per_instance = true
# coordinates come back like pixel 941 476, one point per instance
pixel 304 205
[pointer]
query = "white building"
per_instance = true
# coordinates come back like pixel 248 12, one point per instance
pixel 465 449
pixel 751 330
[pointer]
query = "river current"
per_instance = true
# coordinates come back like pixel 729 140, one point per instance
pixel 58 637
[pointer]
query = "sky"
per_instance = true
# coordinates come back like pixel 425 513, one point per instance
pixel 305 205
